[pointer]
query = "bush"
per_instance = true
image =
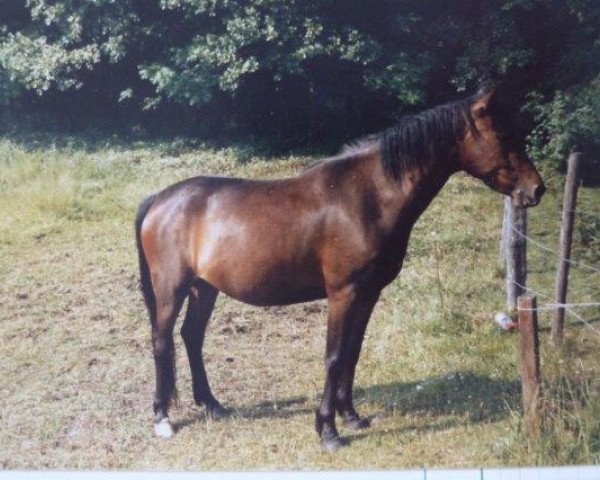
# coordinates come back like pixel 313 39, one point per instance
pixel 569 122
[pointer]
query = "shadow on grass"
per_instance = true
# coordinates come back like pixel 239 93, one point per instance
pixel 482 398
pixel 93 141
pixel 285 408
pixel 433 426
pixel 485 399
pixel 276 409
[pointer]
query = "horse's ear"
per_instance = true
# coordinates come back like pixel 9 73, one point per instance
pixel 481 104
pixel 497 100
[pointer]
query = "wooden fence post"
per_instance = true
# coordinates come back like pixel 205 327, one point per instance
pixel 529 350
pixel 566 235
pixel 505 233
pixel 514 233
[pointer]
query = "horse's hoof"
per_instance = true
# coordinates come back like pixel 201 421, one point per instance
pixel 163 428
pixel 357 423
pixel 216 412
pixel 331 444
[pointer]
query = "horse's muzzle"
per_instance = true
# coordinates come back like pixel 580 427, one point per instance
pixel 528 198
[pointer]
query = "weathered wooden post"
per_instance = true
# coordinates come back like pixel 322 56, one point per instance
pixel 503 258
pixel 529 350
pixel 514 243
pixel 566 236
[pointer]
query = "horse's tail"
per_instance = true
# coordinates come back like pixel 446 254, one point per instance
pixel 145 279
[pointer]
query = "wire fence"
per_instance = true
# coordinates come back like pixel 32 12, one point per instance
pixel 548 249
pixel 553 305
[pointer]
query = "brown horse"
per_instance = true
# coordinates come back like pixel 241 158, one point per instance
pixel 339 230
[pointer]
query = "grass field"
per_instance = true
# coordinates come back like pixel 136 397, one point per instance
pixel 438 378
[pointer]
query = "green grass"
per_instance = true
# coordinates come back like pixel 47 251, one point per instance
pixel 440 381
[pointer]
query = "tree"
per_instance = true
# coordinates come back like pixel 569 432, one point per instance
pixel 46 44
pixel 286 69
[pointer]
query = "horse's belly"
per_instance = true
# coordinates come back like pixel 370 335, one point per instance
pixel 262 277
pixel 264 287
pixel 278 296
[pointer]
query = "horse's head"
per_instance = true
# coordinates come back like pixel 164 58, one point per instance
pixel 492 151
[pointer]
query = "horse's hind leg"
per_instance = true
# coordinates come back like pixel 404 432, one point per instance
pixel 169 299
pixel 201 301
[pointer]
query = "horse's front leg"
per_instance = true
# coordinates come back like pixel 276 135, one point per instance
pixel 344 402
pixel 346 310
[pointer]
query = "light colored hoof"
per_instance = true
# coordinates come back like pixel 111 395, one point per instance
pixel 163 428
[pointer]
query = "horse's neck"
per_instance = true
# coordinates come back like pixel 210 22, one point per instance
pixel 400 202
pixel 414 192
pixel 427 185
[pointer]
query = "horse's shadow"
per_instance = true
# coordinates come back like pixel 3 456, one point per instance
pixel 478 397
pixel 275 409
pixel 483 398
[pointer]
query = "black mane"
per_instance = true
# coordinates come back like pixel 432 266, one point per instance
pixel 418 140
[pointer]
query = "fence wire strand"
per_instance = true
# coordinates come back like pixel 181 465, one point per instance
pixel 568 307
pixel 542 295
pixel 553 305
pixel 583 320
pixel 554 252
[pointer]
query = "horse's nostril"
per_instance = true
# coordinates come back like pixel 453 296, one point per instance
pixel 539 191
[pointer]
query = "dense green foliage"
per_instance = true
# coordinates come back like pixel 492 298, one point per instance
pixel 295 70
pixel 569 121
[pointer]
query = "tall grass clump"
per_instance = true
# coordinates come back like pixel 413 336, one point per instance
pixel 570 427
